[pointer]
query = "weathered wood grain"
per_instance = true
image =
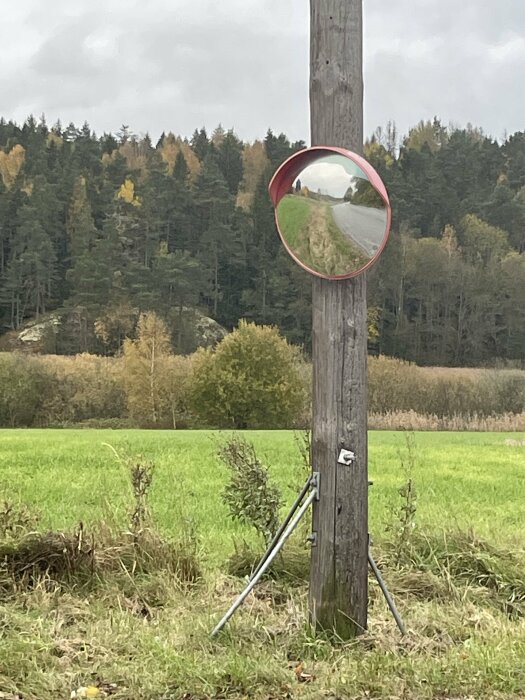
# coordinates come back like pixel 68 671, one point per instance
pixel 339 575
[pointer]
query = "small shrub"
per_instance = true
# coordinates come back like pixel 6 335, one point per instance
pixel 250 495
pixel 141 472
pixel 408 509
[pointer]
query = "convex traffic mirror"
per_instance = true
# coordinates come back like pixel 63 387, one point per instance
pixel 332 211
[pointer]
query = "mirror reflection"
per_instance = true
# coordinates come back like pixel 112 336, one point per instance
pixel 333 219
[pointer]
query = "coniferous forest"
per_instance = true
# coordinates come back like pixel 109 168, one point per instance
pixel 96 229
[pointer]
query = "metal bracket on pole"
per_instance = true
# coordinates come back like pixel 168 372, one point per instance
pixel 315 481
pixel 346 457
pixel 311 482
pixel 312 538
pixel 277 544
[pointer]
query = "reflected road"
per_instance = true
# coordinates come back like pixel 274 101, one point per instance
pixel 364 225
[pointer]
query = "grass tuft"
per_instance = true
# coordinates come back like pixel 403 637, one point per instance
pixel 291 565
pixel 461 564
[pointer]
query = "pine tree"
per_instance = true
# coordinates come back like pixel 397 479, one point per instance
pixel 229 160
pixel 218 245
pixel 31 269
pixel 200 143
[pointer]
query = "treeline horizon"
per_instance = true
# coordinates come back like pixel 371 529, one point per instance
pixel 100 229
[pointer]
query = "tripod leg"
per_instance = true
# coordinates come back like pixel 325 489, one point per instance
pixel 386 593
pixel 286 534
pixel 283 527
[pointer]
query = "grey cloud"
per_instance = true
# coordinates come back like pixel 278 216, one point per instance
pixel 483 19
pixel 455 76
pixel 174 65
pixel 65 75
pixel 227 72
pixel 64 54
pixel 446 65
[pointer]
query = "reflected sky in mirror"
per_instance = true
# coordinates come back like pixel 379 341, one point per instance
pixel 333 219
pixel 331 176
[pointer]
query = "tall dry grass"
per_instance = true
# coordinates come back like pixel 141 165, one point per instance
pixel 410 420
pixel 52 390
pixel 396 387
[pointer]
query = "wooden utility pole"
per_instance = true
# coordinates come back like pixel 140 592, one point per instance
pixel 339 568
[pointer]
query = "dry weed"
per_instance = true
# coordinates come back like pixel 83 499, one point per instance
pixel 410 420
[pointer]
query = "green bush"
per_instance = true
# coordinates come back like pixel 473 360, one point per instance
pixel 251 495
pixel 253 379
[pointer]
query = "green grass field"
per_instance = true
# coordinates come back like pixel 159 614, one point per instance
pixel 462 479
pixel 293 213
pixel 463 643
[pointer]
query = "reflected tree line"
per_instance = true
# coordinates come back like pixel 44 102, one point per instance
pixel 100 228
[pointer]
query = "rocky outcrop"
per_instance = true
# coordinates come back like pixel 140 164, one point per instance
pixel 207 331
pixel 40 336
pixel 37 336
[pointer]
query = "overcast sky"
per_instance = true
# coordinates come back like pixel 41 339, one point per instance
pixel 172 65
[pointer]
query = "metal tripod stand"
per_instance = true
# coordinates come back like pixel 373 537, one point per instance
pixel 295 514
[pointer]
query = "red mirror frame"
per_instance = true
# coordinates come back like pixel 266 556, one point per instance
pixel 288 171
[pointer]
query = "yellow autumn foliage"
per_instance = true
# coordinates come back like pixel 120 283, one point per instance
pixel 79 199
pixel 135 154
pixel 127 193
pixel 10 164
pixel 254 162
pixel 170 149
pixel 54 138
pixel 374 150
pixel 156 382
